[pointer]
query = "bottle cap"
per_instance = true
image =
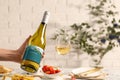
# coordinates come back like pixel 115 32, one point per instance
pixel 46 16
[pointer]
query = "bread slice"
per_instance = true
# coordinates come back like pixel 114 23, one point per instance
pixel 4 69
pixel 22 77
pixel 90 71
pixel 87 72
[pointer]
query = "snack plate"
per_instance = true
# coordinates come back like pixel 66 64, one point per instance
pixel 4 74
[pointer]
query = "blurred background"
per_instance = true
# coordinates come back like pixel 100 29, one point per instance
pixel 21 18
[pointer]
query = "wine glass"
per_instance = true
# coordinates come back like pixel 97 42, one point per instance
pixel 63 48
pixel 63 45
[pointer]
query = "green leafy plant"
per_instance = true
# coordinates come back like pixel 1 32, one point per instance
pixel 99 35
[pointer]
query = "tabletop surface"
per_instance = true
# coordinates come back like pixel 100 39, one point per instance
pixel 113 74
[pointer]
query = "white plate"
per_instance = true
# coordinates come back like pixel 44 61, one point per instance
pixel 1 75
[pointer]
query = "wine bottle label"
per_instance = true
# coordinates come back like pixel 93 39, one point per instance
pixel 46 17
pixel 33 53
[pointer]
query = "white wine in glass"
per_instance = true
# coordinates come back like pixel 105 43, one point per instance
pixel 63 45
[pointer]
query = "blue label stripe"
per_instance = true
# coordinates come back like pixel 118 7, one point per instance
pixel 33 53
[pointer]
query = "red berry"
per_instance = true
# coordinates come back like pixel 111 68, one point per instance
pixel 57 71
pixel 50 69
pixel 47 72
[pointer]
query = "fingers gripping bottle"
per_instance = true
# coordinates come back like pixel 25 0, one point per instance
pixel 35 49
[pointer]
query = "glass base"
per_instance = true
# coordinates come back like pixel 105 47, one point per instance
pixel 95 61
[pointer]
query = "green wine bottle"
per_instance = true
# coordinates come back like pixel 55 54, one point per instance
pixel 35 49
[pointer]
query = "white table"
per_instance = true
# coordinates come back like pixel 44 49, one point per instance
pixel 112 74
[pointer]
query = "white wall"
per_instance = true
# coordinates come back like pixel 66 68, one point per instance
pixel 21 18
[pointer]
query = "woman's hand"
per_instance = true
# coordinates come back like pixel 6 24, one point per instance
pixel 20 51
pixel 14 55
